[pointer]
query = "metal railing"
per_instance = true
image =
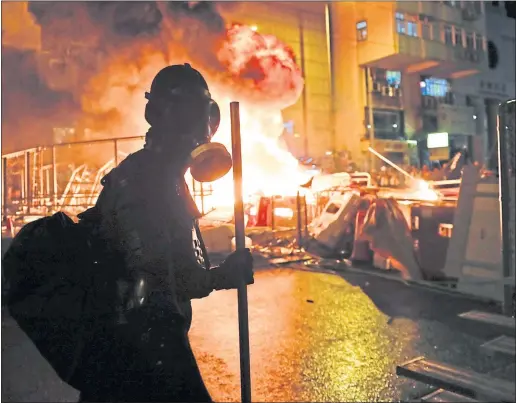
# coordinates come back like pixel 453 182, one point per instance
pixel 66 177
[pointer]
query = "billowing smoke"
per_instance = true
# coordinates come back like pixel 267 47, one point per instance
pixel 110 51
pixel 30 109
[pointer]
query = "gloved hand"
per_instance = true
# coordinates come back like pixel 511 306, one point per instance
pixel 235 270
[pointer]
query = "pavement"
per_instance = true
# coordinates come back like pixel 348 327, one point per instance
pixel 314 336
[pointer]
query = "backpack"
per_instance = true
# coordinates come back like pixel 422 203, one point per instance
pixel 50 266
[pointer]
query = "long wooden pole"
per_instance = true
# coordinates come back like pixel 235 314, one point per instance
pixel 243 314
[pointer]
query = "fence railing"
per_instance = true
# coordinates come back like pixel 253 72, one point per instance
pixel 66 176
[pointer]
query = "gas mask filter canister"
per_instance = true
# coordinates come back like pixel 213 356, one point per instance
pixel 209 162
pixel 192 111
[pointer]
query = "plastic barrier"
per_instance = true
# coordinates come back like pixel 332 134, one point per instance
pixel 361 252
pixel 431 227
pixel 390 239
pixel 334 227
pixel 474 254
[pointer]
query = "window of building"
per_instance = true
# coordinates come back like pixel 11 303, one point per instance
pixel 434 87
pixel 430 123
pixel 412 27
pixel 437 32
pixel 400 23
pixel 388 124
pixel 361 31
pixel 470 40
pixel 458 36
pixel 448 34
pixel 426 28
pixel 386 78
pixel 393 78
pixel 480 42
pixel 492 55
pixel 289 127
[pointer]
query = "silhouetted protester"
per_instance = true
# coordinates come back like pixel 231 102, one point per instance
pixel 149 222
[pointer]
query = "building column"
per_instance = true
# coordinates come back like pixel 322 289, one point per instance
pixel 411 103
pixel 349 83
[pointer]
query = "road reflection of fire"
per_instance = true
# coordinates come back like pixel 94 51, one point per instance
pixel 313 337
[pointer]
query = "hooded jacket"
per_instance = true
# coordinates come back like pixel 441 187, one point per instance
pixel 150 221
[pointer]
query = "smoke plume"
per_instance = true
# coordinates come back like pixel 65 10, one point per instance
pixel 30 109
pixel 103 56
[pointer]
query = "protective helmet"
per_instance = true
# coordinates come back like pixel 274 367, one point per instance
pixel 179 96
pixel 180 103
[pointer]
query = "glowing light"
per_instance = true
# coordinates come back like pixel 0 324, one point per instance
pixel 261 74
pixel 424 191
pixel 254 28
pixel 437 140
pixel 283 212
pixel 422 185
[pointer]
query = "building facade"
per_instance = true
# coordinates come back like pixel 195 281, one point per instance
pixel 379 74
pixel 396 67
pixel 495 84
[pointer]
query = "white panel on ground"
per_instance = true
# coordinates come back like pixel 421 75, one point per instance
pixel 474 255
pixel 337 218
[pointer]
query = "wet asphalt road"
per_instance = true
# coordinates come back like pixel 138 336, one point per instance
pixel 314 337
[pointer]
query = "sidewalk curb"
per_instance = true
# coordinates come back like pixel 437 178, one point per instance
pixel 338 267
pixel 418 283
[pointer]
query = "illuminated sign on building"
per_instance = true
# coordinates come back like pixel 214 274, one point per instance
pixel 438 146
pixel 437 140
pixel 434 87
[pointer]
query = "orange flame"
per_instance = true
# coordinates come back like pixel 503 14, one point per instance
pixel 261 74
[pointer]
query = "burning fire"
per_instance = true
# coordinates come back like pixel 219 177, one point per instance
pixel 268 168
pixel 106 66
pixel 267 80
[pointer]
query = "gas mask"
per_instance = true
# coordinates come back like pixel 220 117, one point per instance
pixel 194 117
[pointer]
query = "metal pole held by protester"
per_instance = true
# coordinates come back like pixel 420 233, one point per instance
pixel 299 221
pixel 243 315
